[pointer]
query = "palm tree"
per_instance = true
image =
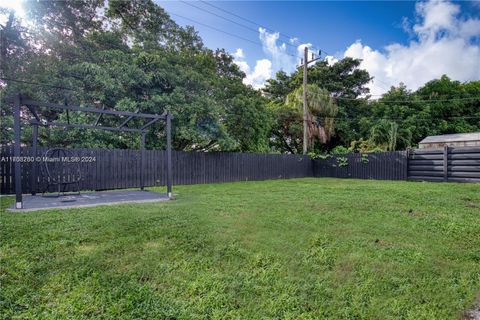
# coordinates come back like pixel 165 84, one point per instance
pixel 388 136
pixel 321 112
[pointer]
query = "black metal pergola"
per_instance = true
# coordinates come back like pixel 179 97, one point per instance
pixel 36 121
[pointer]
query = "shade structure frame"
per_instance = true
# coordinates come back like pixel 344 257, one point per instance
pixel 33 106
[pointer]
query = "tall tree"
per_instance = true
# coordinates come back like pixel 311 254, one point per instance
pixel 343 80
pixel 130 55
pixel 321 112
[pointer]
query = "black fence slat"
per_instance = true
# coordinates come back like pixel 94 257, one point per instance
pixel 117 169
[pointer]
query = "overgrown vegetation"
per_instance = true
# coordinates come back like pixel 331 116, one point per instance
pixel 291 249
pixel 130 55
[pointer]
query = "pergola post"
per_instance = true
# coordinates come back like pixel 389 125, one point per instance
pixel 33 184
pixel 169 155
pixel 16 153
pixel 35 123
pixel 142 161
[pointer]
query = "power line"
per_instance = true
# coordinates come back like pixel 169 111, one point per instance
pixel 38 84
pixel 381 86
pixel 225 32
pixel 393 119
pixel 221 17
pixel 229 20
pixel 339 98
pixel 245 19
pixel 410 101
pixel 259 24
pixel 375 79
pixel 216 29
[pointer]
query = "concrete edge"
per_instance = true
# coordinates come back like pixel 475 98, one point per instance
pixel 87 205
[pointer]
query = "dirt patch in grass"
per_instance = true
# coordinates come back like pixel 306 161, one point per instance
pixel 86 248
pixel 473 314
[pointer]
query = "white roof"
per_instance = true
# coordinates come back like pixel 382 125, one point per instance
pixel 457 137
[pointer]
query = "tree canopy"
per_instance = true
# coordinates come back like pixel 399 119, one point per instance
pixel 130 55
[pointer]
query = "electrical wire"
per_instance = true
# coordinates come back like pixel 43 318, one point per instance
pixel 216 29
pixel 225 32
pixel 337 98
pixel 245 19
pixel 413 101
pixel 38 84
pixel 219 16
pixel 258 24
pixel 376 119
pixel 229 20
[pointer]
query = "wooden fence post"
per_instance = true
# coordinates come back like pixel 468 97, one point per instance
pixel 445 163
pixel 33 171
pixel 16 153
pixel 407 162
pixel 142 161
pixel 169 156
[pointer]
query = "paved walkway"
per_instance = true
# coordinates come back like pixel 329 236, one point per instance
pixel 88 199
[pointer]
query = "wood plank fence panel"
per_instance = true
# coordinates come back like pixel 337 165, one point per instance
pixel 118 169
pixel 381 166
pixel 458 164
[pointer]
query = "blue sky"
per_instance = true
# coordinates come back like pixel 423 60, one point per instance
pixel 331 26
pixel 383 33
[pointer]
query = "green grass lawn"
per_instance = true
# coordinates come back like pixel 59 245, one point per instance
pixel 286 249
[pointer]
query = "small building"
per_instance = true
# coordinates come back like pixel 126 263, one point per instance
pixel 451 140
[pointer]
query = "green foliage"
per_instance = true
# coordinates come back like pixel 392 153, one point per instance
pixel 321 111
pixel 130 55
pixel 322 156
pixel 342 161
pixel 398 120
pixel 387 136
pixel 133 58
pixel 342 80
pixel 340 150
pixel 289 249
pixel 401 118
pixel 287 130
pixel 364 146
pixel 364 158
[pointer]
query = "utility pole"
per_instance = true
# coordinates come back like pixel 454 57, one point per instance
pixel 305 124
pixel 305 102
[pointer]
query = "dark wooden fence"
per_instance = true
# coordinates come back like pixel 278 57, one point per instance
pixel 381 166
pixel 104 169
pixel 447 164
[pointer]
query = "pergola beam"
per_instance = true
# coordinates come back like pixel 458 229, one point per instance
pixel 87 109
pixel 83 126
pixel 125 122
pixel 149 123
pixel 99 117
pixel 34 113
pixel 30 104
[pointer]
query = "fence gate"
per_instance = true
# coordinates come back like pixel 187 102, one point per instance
pixel 457 164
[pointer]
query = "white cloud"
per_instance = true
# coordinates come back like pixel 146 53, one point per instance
pixel 276 51
pixel 260 73
pixel 239 54
pixel 278 58
pixel 331 60
pixel 444 44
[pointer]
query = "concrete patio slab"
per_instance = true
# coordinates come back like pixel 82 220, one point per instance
pixel 88 199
